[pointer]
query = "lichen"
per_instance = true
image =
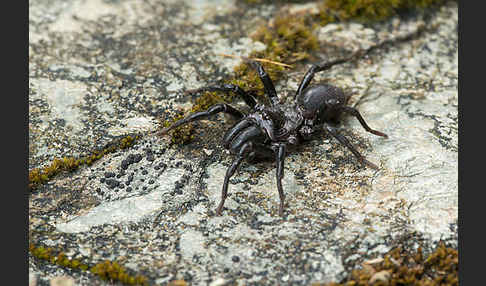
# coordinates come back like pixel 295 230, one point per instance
pixel 289 40
pixel 39 176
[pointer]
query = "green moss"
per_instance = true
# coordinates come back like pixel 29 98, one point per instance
pixel 246 77
pixel 112 271
pixel 39 176
pixel 105 270
pixel 178 283
pixel 409 268
pixel 181 135
pixel 47 254
pixel 369 10
pixel 288 39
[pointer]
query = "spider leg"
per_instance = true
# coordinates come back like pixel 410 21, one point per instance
pixel 264 151
pixel 245 151
pixel 358 116
pixel 278 152
pixel 249 100
pixel 344 141
pixel 217 108
pixel 315 68
pixel 234 130
pixel 280 173
pixel 267 82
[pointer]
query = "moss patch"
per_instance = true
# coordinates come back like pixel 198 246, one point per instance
pixel 112 271
pixel 39 176
pixel 370 10
pixel 182 134
pixel 106 270
pixel 403 267
pixel 288 39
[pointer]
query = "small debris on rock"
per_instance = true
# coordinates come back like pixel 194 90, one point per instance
pixel 109 174
pixel 383 276
pixel 62 281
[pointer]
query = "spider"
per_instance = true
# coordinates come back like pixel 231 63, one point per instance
pixel 269 129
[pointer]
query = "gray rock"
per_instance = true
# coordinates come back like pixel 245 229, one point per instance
pixel 123 67
pixel 125 210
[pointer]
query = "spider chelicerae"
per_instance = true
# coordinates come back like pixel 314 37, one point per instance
pixel 268 130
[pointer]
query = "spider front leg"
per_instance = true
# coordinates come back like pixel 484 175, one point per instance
pixel 358 116
pixel 217 108
pixel 267 82
pixel 229 172
pixel 344 141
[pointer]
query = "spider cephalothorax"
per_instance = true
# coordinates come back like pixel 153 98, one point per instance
pixel 268 129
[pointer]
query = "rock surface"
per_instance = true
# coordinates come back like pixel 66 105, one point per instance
pixel 101 69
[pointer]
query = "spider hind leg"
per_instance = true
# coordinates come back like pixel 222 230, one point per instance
pixel 354 112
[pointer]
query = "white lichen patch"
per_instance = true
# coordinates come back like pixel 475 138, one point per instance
pixel 353 36
pixel 64 99
pixel 76 71
pixel 192 243
pixel 418 169
pixel 132 11
pixel 242 48
pixel 134 125
pixel 202 10
pixel 122 211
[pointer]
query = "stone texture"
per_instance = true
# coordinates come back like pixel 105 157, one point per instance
pixel 62 281
pixel 98 73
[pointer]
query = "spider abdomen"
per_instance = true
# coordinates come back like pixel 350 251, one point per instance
pixel 322 99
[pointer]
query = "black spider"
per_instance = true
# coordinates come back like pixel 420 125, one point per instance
pixel 267 130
